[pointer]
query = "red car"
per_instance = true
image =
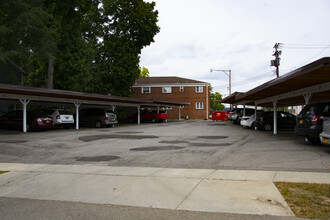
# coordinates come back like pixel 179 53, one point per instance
pixel 34 121
pixel 152 116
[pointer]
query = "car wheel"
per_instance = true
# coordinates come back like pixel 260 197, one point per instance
pixel 313 140
pixel 253 125
pixel 267 127
pixel 98 124
pixel 154 120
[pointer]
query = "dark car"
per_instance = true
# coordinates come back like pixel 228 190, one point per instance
pixel 285 120
pixel 96 117
pixel 310 119
pixel 34 121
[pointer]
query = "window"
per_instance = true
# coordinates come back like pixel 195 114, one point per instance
pixel 145 89
pixel 181 89
pixel 326 111
pixel 199 105
pixel 167 89
pixel 199 89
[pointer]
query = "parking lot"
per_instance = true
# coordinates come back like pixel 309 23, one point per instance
pixel 175 144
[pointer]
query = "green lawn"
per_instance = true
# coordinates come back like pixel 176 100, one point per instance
pixel 307 200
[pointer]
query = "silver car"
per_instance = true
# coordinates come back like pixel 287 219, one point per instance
pixel 96 117
pixel 325 135
pixel 248 121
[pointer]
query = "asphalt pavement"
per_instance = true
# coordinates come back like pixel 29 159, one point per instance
pixel 175 170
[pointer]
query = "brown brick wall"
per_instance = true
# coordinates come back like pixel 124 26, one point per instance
pixel 188 95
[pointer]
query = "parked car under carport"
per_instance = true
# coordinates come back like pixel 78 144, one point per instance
pixel 310 119
pixel 285 120
pixel 325 135
pixel 35 121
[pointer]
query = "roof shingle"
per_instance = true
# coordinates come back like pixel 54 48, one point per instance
pixel 165 80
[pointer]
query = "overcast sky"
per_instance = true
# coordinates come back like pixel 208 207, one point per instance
pixel 199 35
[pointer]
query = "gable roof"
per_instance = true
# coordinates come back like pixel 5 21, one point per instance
pixel 290 88
pixel 14 92
pixel 161 80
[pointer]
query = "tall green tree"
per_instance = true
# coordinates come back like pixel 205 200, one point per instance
pixel 25 35
pixel 92 45
pixel 128 27
pixel 144 72
pixel 215 98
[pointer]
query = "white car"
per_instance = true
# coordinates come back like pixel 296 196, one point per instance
pixel 248 121
pixel 61 117
pixel 325 135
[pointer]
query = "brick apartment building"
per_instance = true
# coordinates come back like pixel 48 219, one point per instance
pixel 176 89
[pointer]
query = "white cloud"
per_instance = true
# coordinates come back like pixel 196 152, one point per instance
pixel 198 35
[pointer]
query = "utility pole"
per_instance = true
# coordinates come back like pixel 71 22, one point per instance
pixel 276 62
pixel 229 76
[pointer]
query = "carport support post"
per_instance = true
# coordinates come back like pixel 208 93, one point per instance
pixel 179 113
pixel 139 114
pixel 24 102
pixel 113 108
pixel 158 109
pixel 244 110
pixel 255 113
pixel 307 97
pixel 275 116
pixel 77 115
pixel 255 110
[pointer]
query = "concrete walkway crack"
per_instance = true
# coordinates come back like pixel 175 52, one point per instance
pixel 193 190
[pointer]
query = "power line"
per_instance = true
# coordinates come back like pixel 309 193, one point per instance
pixel 304 46
pixel 309 46
pixel 250 79
pixel 253 78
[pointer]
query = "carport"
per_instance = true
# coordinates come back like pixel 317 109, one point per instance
pixel 26 95
pixel 308 84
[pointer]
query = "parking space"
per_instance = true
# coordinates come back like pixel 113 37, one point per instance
pixel 176 144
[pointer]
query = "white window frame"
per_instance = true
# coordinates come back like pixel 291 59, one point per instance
pixel 181 88
pixel 199 105
pixel 143 92
pixel 199 89
pixel 167 89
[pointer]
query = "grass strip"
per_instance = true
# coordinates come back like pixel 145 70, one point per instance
pixel 307 200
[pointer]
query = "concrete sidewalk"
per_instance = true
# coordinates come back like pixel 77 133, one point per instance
pixel 226 191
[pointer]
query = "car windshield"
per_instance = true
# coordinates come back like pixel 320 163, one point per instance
pixel 64 112
pixel 308 110
pixel 47 112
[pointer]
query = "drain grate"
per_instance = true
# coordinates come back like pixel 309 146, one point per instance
pixel 213 137
pixel 210 144
pixel 99 137
pixel 98 158
pixel 156 148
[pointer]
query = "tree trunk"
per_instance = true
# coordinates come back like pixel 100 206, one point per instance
pixel 50 75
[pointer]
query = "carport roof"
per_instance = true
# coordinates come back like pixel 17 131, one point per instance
pixel 288 89
pixel 16 92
